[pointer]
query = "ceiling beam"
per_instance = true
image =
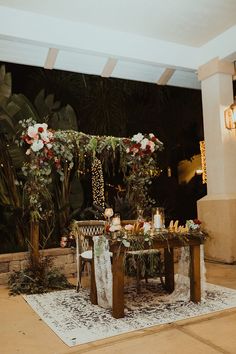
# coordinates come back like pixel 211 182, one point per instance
pixel 165 77
pixel 109 67
pixel 51 58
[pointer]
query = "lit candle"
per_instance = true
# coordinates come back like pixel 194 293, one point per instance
pixel 116 220
pixel 157 221
pixel 108 212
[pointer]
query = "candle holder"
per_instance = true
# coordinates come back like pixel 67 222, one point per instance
pixel 116 220
pixel 158 218
pixel 108 213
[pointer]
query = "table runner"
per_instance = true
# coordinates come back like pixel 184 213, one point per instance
pixel 102 269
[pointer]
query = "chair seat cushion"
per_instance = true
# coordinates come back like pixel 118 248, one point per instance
pixel 140 252
pixel 88 255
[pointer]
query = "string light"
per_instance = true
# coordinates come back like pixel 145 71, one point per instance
pixel 203 161
pixel 98 183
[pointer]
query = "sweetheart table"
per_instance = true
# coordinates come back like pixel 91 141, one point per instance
pixel 168 244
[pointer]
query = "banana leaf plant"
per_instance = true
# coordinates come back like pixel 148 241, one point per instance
pixel 13 109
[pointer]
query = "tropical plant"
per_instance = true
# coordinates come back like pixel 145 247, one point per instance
pixel 14 108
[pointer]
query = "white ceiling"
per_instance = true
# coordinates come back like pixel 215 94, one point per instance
pixel 158 41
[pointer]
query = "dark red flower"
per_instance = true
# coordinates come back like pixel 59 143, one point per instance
pixel 40 129
pixel 196 221
pixel 126 141
pixel 137 146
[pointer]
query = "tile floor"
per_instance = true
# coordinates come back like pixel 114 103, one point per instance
pixel 22 332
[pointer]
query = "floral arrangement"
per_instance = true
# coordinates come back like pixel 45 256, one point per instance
pixel 141 145
pixel 46 148
pixel 39 137
pixel 193 224
pixel 58 151
pixel 124 234
pixel 142 231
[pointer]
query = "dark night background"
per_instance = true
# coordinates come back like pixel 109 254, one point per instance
pixel 106 106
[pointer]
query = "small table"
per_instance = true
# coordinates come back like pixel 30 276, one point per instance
pixel 168 245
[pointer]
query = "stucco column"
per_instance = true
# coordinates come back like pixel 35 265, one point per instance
pixel 217 210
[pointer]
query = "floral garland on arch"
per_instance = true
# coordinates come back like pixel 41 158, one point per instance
pixel 49 150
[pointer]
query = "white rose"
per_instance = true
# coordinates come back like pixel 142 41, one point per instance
pixel 144 143
pixel 137 138
pixel 43 125
pixel 32 132
pixel 44 137
pixel 37 145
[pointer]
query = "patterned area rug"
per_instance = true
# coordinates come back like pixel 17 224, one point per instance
pixel 75 320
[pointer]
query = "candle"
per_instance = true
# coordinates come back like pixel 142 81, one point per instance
pixel 116 220
pixel 157 221
pixel 108 212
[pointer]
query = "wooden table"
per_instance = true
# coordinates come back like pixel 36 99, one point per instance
pixel 118 271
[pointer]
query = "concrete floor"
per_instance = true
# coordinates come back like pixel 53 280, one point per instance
pixel 22 331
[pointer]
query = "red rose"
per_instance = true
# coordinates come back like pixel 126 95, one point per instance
pixel 50 153
pixel 40 129
pixel 154 139
pixel 126 141
pixel 196 221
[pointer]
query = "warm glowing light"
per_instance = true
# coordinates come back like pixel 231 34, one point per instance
pixel 98 183
pixel 203 161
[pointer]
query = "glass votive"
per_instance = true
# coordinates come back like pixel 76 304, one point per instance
pixel 158 218
pixel 116 220
pixel 108 213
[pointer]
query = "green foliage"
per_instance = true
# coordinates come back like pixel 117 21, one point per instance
pixel 13 109
pixel 150 265
pixel 36 280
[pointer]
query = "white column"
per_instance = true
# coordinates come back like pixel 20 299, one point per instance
pixel 218 209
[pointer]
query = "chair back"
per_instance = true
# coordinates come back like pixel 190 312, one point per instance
pixel 84 229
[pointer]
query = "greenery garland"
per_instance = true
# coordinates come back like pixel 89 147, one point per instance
pixel 50 151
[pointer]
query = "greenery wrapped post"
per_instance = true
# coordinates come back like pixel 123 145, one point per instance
pixel 60 151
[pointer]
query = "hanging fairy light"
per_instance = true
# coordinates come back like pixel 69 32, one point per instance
pixel 203 161
pixel 98 183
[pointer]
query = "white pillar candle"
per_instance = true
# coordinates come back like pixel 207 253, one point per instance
pixel 116 221
pixel 157 221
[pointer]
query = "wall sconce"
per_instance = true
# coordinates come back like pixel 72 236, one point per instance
pixel 230 116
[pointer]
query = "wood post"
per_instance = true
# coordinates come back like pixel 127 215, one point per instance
pixel 118 284
pixel 195 276
pixel 34 242
pixel 93 288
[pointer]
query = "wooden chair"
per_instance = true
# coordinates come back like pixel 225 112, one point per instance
pixel 140 255
pixel 84 254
